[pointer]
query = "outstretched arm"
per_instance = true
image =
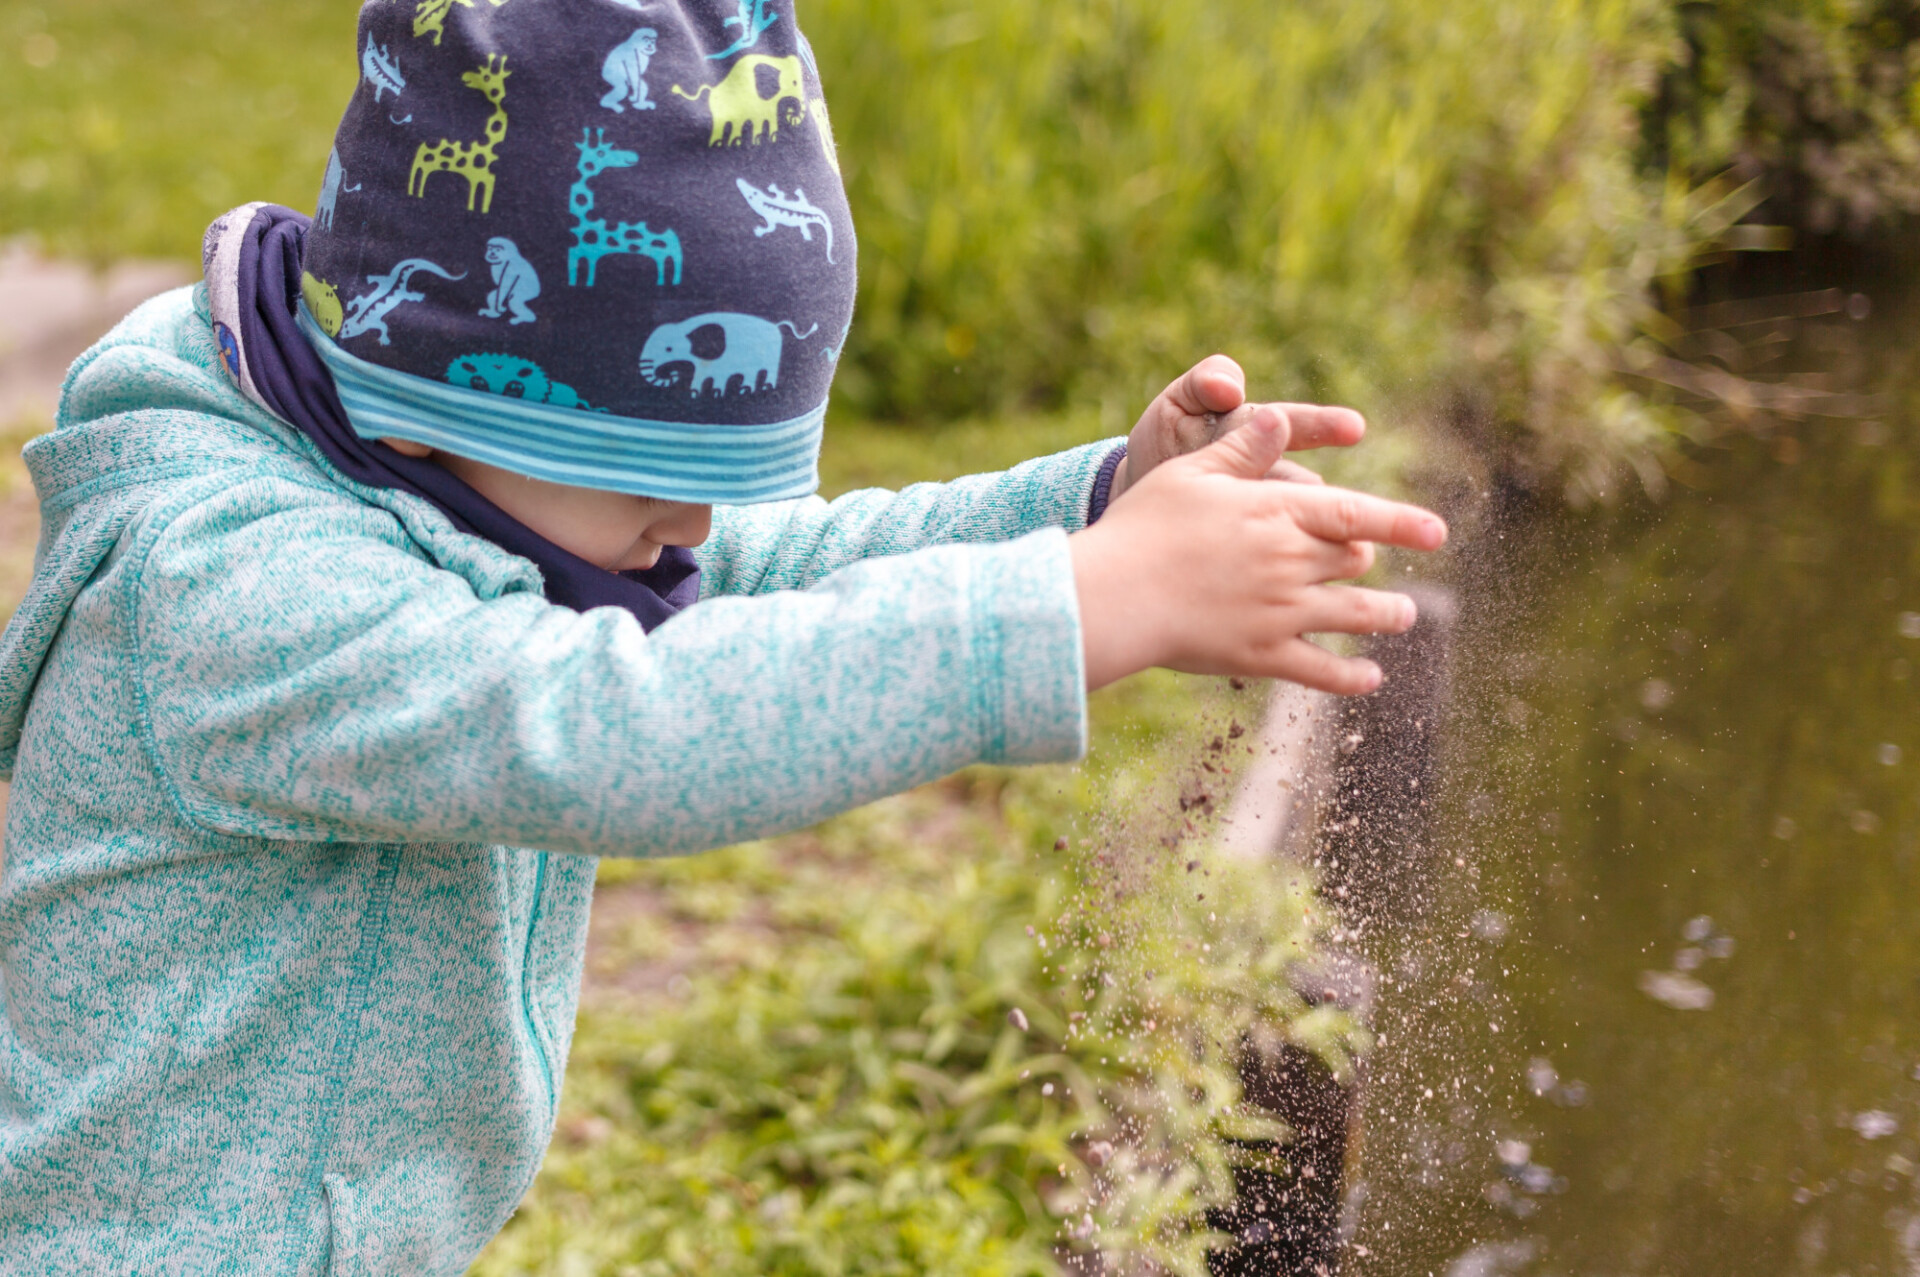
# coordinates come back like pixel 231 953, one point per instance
pixel 793 545
pixel 790 545
pixel 396 705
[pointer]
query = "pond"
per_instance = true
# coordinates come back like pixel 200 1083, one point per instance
pixel 1656 1009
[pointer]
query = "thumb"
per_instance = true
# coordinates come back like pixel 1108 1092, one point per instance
pixel 1250 451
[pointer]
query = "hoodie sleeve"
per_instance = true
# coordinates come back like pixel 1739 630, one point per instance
pixel 308 675
pixel 791 545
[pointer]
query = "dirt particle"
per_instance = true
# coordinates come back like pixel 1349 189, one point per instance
pixel 1060 843
pixel 1195 797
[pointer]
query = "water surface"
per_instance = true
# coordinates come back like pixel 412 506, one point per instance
pixel 1662 1015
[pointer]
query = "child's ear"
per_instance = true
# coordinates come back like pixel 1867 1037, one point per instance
pixel 408 448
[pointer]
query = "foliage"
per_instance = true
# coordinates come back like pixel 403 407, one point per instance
pixel 1821 99
pixel 1406 205
pixel 832 1079
pixel 1451 212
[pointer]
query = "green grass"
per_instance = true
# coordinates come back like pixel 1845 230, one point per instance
pixel 131 126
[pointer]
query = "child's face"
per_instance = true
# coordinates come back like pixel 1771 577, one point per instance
pixel 611 529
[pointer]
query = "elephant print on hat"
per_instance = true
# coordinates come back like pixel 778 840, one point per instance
pixel 740 114
pixel 714 349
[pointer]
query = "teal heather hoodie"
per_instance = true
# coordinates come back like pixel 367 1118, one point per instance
pixel 308 788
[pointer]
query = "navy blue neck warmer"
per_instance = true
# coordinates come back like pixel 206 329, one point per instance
pixel 253 259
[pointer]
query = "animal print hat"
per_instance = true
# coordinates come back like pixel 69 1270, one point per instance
pixel 598 242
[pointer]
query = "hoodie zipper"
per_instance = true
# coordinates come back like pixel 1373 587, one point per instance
pixel 526 979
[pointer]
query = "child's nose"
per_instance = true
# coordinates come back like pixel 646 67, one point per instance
pixel 687 526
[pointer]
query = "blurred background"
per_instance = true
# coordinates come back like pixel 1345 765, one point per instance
pixel 1626 288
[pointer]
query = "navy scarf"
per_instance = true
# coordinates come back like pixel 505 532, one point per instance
pixel 289 380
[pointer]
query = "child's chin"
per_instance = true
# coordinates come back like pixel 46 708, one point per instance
pixel 640 558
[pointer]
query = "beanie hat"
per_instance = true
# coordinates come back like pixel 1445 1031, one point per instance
pixel 602 243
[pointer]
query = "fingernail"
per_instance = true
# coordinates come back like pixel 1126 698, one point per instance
pixel 1409 613
pixel 1373 677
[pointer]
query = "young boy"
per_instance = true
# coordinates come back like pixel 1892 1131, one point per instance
pixel 362 624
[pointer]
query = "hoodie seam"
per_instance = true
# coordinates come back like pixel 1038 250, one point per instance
pixel 159 521
pixel 106 483
pixel 368 955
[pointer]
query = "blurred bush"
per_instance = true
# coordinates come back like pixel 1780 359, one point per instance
pixel 1468 211
pixel 1071 201
pixel 1817 97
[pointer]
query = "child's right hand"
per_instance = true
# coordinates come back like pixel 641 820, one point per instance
pixel 1206 565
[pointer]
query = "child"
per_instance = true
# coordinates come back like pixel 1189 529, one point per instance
pixel 362 624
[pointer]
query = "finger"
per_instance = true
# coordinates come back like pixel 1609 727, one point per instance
pixel 1318 426
pixel 1299 661
pixel 1293 472
pixel 1313 425
pixel 1340 560
pixel 1350 609
pixel 1215 384
pixel 1249 452
pixel 1339 514
pixel 1195 433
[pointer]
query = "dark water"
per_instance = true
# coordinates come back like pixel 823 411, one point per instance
pixel 1662 1012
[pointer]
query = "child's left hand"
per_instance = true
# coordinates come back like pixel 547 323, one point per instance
pixel 1210 400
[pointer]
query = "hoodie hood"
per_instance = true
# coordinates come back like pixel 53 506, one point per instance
pixel 146 408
